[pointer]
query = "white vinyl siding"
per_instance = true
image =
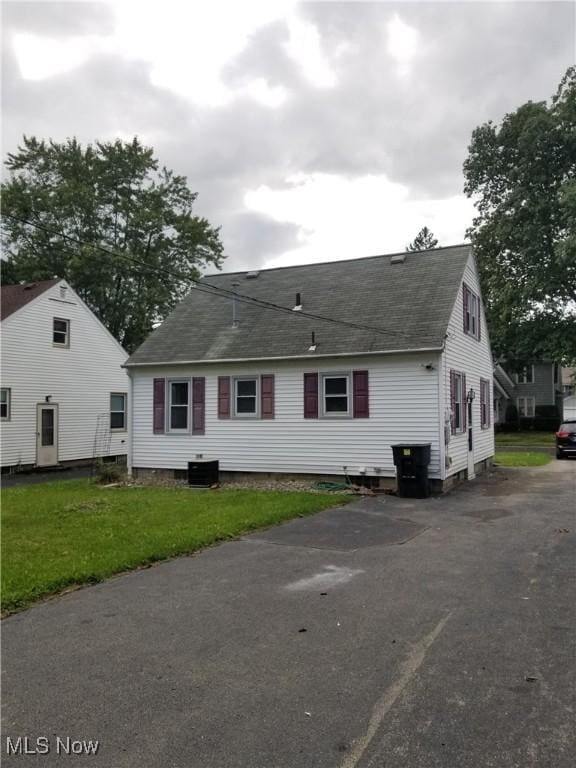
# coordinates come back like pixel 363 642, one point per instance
pixel 472 357
pixel 403 408
pixel 78 379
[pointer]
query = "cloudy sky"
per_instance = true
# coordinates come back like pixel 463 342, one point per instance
pixel 311 131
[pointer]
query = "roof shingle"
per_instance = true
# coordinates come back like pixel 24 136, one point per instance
pixel 406 306
pixel 13 297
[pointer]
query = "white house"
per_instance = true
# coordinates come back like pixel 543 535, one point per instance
pixel 319 370
pixel 61 378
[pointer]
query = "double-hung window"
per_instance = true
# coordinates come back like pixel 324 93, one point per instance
pixel 471 313
pixel 484 403
pixel 118 411
pixel 458 402
pixel 5 397
pixel 178 405
pixel 525 407
pixel 336 395
pixel 525 375
pixel 60 332
pixel 246 397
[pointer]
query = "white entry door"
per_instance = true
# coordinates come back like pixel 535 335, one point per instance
pixel 47 435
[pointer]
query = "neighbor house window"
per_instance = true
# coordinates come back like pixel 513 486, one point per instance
pixel 118 410
pixel 484 403
pixel 61 332
pixel 336 395
pixel 525 406
pixel 178 405
pixel 246 397
pixel 471 313
pixel 525 375
pixel 458 402
pixel 5 397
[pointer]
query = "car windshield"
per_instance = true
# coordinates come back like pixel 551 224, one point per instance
pixel 568 426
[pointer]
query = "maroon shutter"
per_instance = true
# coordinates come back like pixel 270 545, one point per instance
pixel 159 418
pixel 478 319
pixel 360 394
pixel 464 404
pixel 452 403
pixel 465 306
pixel 198 405
pixel 267 396
pixel 488 388
pixel 310 395
pixel 223 397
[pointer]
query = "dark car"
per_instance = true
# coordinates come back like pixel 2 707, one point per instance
pixel 566 440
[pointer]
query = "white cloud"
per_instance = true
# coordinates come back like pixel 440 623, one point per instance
pixel 42 57
pixel 304 47
pixel 402 42
pixel 344 218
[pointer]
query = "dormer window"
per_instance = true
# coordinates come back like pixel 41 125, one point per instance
pixel 60 332
pixel 471 312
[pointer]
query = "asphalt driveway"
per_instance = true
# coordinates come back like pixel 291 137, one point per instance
pixel 401 633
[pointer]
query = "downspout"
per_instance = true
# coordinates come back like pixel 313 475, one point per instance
pixel 441 410
pixel 129 458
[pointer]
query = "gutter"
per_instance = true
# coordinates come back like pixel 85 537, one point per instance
pixel 204 361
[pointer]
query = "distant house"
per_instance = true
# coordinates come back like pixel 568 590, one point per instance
pixel 535 385
pixel 397 351
pixel 61 379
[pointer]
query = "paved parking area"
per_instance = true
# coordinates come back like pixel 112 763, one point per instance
pixel 393 632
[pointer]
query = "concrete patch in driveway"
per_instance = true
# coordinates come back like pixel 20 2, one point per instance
pixel 348 528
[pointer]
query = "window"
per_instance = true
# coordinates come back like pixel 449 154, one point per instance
pixel 525 375
pixel 484 403
pixel 471 313
pixel 61 332
pixel 118 411
pixel 525 407
pixel 178 405
pixel 246 397
pixel 335 395
pixel 458 403
pixel 5 397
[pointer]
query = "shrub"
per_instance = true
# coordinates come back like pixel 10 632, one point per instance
pixel 106 472
pixel 511 419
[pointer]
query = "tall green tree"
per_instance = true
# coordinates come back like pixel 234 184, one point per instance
pixel 423 241
pixel 112 196
pixel 522 175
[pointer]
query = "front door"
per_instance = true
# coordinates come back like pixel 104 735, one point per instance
pixel 47 435
pixel 471 473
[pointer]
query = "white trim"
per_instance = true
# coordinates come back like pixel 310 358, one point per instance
pixel 526 398
pixel 508 379
pixel 324 414
pixel 525 368
pixel 253 414
pixel 123 411
pixel 8 416
pixel 203 361
pixel 178 380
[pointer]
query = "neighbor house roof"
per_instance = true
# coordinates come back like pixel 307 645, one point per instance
pixel 13 297
pixel 405 304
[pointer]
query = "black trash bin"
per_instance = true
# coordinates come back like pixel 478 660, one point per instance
pixel 411 461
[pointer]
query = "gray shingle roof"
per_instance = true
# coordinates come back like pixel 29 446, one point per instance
pixel 410 302
pixel 14 297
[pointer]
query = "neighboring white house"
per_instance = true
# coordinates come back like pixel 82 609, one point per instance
pixel 61 370
pixel 367 353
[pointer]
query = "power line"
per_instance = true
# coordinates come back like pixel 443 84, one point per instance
pixel 202 285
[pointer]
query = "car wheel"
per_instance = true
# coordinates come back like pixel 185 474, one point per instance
pixel 559 455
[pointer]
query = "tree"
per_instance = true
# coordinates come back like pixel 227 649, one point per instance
pixel 522 174
pixel 114 199
pixel 423 241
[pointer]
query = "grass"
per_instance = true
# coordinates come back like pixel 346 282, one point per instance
pixel 55 535
pixel 525 438
pixel 521 459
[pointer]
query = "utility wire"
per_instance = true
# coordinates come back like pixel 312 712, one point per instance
pixel 202 285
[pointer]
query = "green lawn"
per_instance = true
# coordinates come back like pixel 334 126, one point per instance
pixel 521 459
pixel 74 532
pixel 525 438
